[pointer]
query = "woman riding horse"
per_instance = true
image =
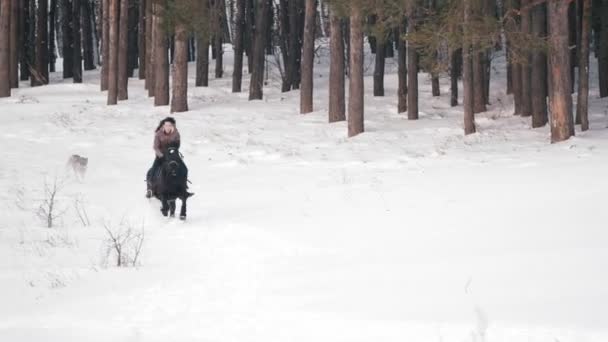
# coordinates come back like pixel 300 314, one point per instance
pixel 166 136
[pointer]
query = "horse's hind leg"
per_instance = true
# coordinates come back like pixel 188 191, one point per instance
pixel 172 208
pixel 164 206
pixel 182 214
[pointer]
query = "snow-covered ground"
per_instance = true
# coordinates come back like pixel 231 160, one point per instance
pixel 409 232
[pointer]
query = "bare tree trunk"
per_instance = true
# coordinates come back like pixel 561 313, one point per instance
pixel 218 38
pixel 380 64
pixel 202 48
pixel 25 25
pixel 412 73
pixel 161 58
pixel 105 44
pixel 479 101
pixel 526 70
pixel 14 44
pixel 87 36
pixel 239 27
pixel 256 87
pixel 5 17
pixel 337 105
pixel 141 39
pixel 132 39
pixel 41 74
pixel 539 69
pixel 179 101
pixel 113 14
pixel 308 50
pixel 467 73
pixel 77 73
pixel 402 68
pixel 356 85
pixel 52 31
pixel 602 60
pixel 560 98
pixel 123 49
pixel 67 36
pixel 455 71
pixel 583 66
pixel 150 27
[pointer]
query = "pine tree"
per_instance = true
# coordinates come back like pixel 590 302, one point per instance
pixel 583 85
pixel 141 39
pixel 308 50
pixel 412 69
pixel 467 72
pixel 77 73
pixel 179 100
pixel 113 17
pixel 560 99
pixel 41 73
pixel 105 44
pixel 67 36
pixel 356 85
pixel 87 35
pixel 161 58
pixel 5 17
pixel 337 105
pixel 402 67
pixel 256 86
pixel 239 27
pixel 538 73
pixel 123 49
pixel 14 44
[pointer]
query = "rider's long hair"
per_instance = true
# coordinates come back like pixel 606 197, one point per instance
pixel 162 122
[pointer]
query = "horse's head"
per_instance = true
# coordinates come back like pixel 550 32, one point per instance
pixel 173 162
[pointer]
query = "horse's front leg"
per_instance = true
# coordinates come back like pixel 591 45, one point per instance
pixel 182 214
pixel 172 208
pixel 164 205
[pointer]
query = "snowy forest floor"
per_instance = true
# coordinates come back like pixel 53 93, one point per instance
pixel 409 232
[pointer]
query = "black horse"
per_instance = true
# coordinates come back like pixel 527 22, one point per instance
pixel 170 182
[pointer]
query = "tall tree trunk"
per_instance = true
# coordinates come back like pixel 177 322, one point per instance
pixel 380 64
pixel 5 17
pixel 52 30
pixel 467 73
pixel 603 49
pixel 77 41
pixel 526 70
pixel 87 35
pixel 67 36
pixel 14 44
pixel 161 58
pixel 337 105
pixel 113 17
pixel 105 44
pixel 412 72
pixel 132 39
pixel 560 98
pixel 141 39
pixel 239 27
pixel 256 87
pixel 150 27
pixel 123 50
pixel 202 48
pixel 179 101
pixel 25 27
pixel 455 71
pixel 308 51
pixel 402 68
pixel 356 86
pixel 218 48
pixel 41 74
pixel 583 66
pixel 539 69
